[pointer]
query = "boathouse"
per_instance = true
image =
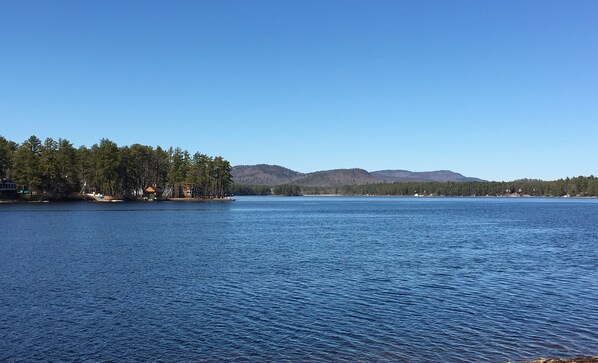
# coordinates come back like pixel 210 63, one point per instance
pixel 153 192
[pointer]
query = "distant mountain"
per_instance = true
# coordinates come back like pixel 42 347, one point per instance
pixel 337 177
pixel 422 176
pixel 264 175
pixel 276 175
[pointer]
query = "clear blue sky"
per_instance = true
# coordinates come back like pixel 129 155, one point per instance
pixel 494 89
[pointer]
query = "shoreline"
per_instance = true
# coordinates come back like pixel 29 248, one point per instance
pixel 190 200
pixel 176 200
pixel 232 199
pixel 429 196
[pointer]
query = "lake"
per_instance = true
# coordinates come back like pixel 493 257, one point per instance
pixel 300 279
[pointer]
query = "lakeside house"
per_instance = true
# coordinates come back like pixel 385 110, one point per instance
pixel 7 187
pixel 153 192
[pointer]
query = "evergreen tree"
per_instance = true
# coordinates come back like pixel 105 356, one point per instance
pixel 222 175
pixel 287 190
pixel 108 165
pixel 67 168
pixel 26 163
pixel 177 174
pixel 198 177
pixel 7 149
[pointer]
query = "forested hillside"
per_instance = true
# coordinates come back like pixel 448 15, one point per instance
pixel 422 176
pixel 57 170
pixel 336 178
pixel 263 174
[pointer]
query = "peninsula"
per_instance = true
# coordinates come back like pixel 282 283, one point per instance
pixel 56 170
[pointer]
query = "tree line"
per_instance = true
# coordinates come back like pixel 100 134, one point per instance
pixel 282 190
pixel 251 189
pixel 58 170
pixel 578 186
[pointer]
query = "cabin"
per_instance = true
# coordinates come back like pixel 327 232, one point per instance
pixel 7 187
pixel 153 192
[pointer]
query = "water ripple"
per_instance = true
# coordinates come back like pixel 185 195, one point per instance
pixel 333 280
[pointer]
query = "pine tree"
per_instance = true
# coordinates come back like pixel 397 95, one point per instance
pixel 26 163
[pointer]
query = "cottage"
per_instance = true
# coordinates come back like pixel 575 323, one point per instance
pixel 7 187
pixel 153 192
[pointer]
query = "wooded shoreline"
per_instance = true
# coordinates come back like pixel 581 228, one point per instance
pixel 79 200
pixel 232 199
pixel 56 170
pixel 580 186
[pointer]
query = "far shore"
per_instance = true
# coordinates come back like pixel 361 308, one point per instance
pixel 225 199
pixel 436 196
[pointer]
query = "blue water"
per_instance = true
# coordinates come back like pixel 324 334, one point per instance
pixel 300 279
